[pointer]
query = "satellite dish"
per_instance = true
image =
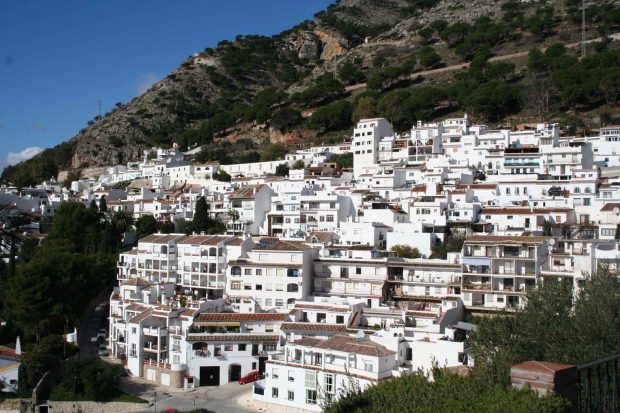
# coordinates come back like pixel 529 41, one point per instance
pixel 616 211
pixel 552 242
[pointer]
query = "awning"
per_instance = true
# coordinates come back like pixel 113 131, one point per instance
pixel 217 323
pixel 476 261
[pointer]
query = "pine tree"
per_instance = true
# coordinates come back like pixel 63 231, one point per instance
pixel 202 222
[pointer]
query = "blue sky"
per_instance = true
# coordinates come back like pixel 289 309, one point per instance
pixel 57 59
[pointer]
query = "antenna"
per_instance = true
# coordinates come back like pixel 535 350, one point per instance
pixel 583 28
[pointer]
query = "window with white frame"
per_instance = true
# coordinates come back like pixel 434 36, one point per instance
pixel 310 396
pixel 310 380
pixel 329 383
pixel 274 392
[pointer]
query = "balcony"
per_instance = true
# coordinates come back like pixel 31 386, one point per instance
pixel 153 347
pixel 154 331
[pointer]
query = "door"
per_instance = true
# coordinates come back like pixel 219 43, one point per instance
pixel 151 375
pixel 234 372
pixel 261 364
pixel 209 376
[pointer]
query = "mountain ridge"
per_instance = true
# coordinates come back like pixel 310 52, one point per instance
pixel 226 97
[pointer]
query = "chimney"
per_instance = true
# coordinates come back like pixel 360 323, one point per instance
pixel 18 346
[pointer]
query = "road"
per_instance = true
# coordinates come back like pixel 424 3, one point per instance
pixel 91 323
pixel 511 56
pixel 230 398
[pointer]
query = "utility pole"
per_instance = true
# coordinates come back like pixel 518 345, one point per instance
pixel 99 108
pixel 583 28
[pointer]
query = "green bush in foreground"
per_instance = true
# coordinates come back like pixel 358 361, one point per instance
pixel 448 392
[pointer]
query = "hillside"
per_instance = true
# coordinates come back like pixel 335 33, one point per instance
pixel 353 60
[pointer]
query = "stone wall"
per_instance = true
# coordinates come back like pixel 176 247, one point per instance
pixel 163 375
pixel 16 406
pixel 94 407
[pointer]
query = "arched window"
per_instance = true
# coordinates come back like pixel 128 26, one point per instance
pixel 220 252
pixel 212 251
pixel 235 271
pixel 164 249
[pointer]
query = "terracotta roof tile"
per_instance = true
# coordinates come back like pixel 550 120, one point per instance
pixel 214 317
pixel 347 344
pixel 314 327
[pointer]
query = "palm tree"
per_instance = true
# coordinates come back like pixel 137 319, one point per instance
pixel 121 222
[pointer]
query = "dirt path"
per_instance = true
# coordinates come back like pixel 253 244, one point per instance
pixel 510 56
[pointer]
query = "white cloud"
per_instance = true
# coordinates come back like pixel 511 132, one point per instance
pixel 16 157
pixel 145 82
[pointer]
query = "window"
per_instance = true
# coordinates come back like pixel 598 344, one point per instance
pixel 274 373
pixel 358 270
pixel 279 302
pixel 329 218
pixel 235 285
pixel 259 287
pixel 310 380
pixel 274 392
pixel 268 302
pixel 228 347
pixel 291 375
pixel 241 347
pixel 291 395
pixel 329 383
pixel 247 286
pixel 259 271
pixel 310 396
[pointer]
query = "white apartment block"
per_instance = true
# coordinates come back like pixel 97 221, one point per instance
pixel 274 274
pixel 310 368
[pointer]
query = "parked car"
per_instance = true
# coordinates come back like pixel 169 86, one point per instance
pixel 250 377
pixel 103 351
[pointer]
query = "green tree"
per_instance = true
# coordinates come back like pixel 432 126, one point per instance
pixel 547 227
pixel 222 176
pixel 28 249
pixel 282 169
pixel 201 220
pixel 344 160
pixel 146 225
pixel 273 152
pixel 167 228
pixel 365 107
pixel 93 206
pixel 299 164
pixel 121 222
pixel 416 392
pixel 285 118
pixel 103 205
pixel 555 324
pixel 332 117
pixel 406 251
pixel 233 214
pixel 39 358
pixel 99 380
pixel 77 224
